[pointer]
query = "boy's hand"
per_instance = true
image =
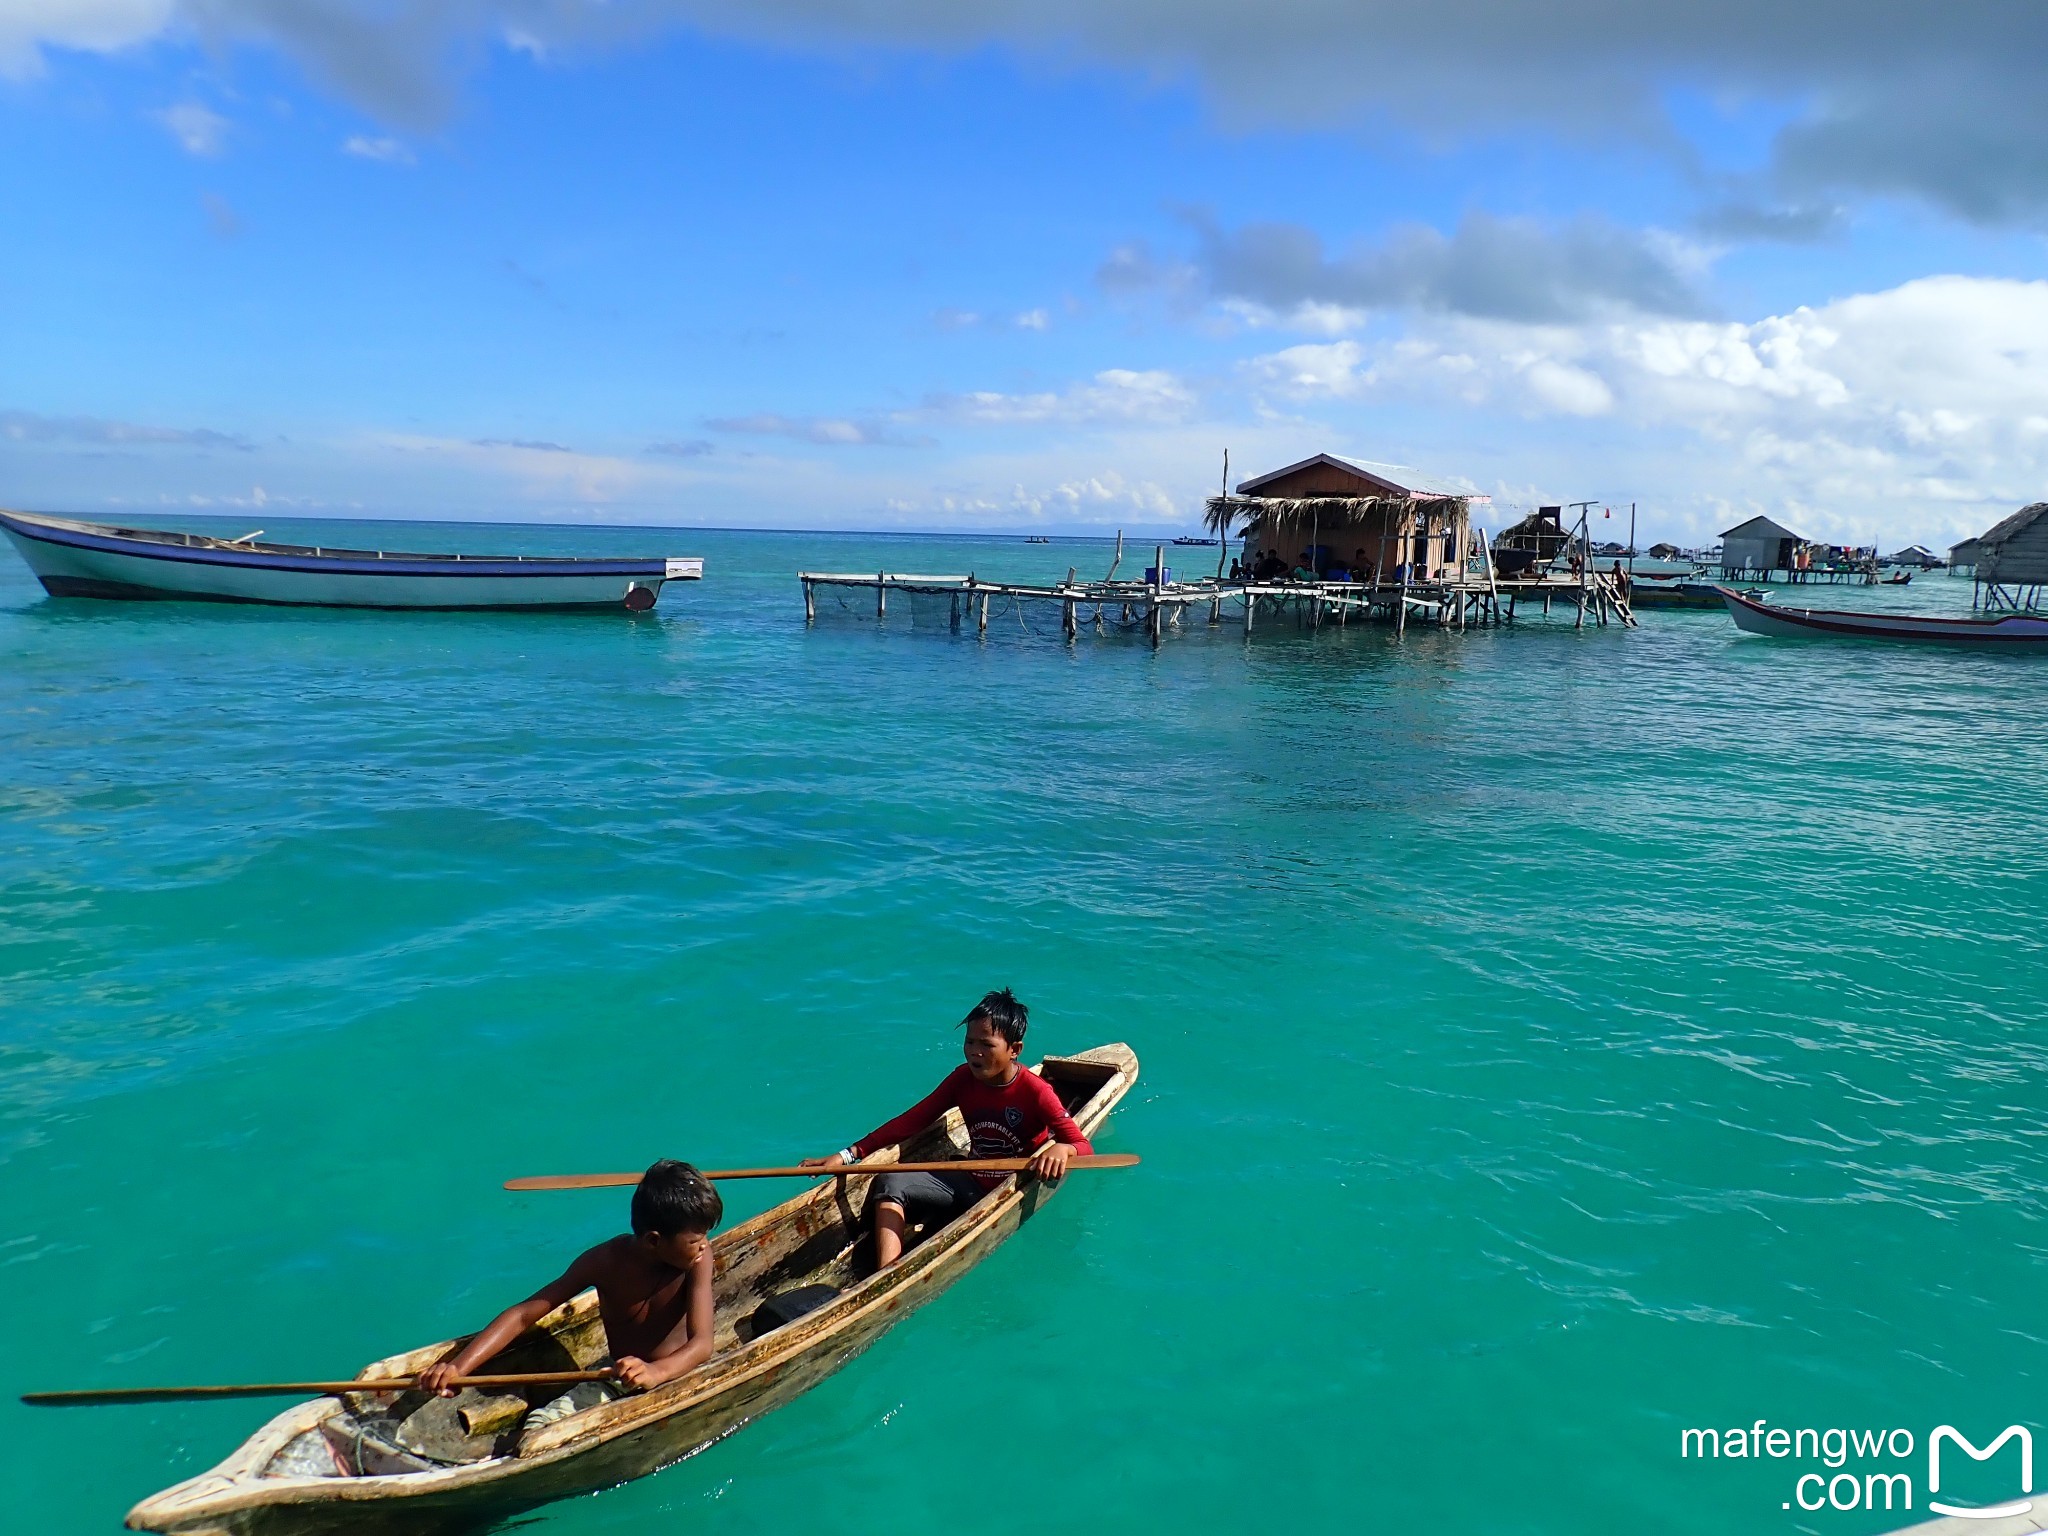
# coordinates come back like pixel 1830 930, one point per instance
pixel 834 1161
pixel 638 1374
pixel 436 1378
pixel 1050 1161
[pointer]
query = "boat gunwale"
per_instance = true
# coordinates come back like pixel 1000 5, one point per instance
pixel 162 544
pixel 236 1484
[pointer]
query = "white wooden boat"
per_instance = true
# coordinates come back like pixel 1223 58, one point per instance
pixel 331 1466
pixel 2012 631
pixel 81 559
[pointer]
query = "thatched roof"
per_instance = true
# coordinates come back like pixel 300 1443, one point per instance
pixel 1249 512
pixel 2016 550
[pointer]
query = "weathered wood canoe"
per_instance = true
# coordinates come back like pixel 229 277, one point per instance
pixel 80 559
pixel 327 1466
pixel 2007 632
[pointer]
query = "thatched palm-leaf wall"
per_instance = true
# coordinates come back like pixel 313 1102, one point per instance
pixel 1383 526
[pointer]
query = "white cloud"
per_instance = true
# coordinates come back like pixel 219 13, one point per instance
pixel 1313 369
pixel 389 151
pixel 92 26
pixel 825 431
pixel 1033 320
pixel 1933 394
pixel 200 129
pixel 1113 395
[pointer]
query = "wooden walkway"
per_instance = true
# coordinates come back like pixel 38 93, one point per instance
pixel 1466 601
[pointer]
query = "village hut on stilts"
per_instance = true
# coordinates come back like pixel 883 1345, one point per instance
pixel 2011 560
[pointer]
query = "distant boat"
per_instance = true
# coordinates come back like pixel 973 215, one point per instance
pixel 79 559
pixel 1037 538
pixel 2012 631
pixel 1194 541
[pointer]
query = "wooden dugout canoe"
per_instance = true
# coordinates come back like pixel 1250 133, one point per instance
pixel 262 1489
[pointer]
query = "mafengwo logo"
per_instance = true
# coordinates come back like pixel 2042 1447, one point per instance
pixel 1840 1486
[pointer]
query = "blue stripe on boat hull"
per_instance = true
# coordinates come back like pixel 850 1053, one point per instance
pixel 121 591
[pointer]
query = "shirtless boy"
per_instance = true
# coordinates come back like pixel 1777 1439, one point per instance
pixel 653 1292
pixel 1009 1112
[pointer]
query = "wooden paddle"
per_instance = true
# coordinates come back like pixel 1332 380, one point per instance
pixel 848 1171
pixel 297 1388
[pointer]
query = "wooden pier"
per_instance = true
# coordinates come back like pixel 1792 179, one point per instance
pixel 1156 607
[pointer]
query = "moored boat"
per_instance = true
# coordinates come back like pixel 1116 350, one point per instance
pixel 2012 631
pixel 346 1464
pixel 80 559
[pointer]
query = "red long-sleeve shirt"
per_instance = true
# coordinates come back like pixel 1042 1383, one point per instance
pixel 1011 1121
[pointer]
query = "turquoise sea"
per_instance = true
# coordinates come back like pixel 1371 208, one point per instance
pixel 1551 1041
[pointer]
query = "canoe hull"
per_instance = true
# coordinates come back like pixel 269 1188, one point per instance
pixel 631 1438
pixel 2022 632
pixel 77 559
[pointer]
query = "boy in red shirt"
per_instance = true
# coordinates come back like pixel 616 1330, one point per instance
pixel 1009 1112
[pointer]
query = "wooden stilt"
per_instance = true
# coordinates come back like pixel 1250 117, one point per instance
pixel 881 594
pixel 981 622
pixel 810 603
pixel 1067 623
pixel 1250 603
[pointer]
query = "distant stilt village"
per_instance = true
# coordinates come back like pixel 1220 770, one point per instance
pixel 1335 541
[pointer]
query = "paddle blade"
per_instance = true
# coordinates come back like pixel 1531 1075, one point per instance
pixel 575 1181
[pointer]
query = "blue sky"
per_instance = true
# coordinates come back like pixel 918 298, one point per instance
pixel 826 263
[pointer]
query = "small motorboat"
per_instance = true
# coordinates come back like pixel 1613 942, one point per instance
pixel 81 559
pixel 360 1462
pixel 1202 542
pixel 1036 538
pixel 1898 578
pixel 2010 631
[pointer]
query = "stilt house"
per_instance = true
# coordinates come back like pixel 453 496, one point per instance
pixel 2012 559
pixel 1758 545
pixel 1352 515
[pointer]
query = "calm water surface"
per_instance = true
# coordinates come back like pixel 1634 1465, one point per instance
pixel 1550 1040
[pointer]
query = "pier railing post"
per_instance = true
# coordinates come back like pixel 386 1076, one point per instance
pixel 1154 612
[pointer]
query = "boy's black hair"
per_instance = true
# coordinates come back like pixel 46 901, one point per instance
pixel 1008 1016
pixel 674 1197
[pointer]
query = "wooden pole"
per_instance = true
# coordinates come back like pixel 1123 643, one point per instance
pixel 881 594
pixel 810 603
pixel 552 1181
pixel 1222 535
pixel 981 621
pixel 1158 581
pixel 1250 602
pixel 301 1388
